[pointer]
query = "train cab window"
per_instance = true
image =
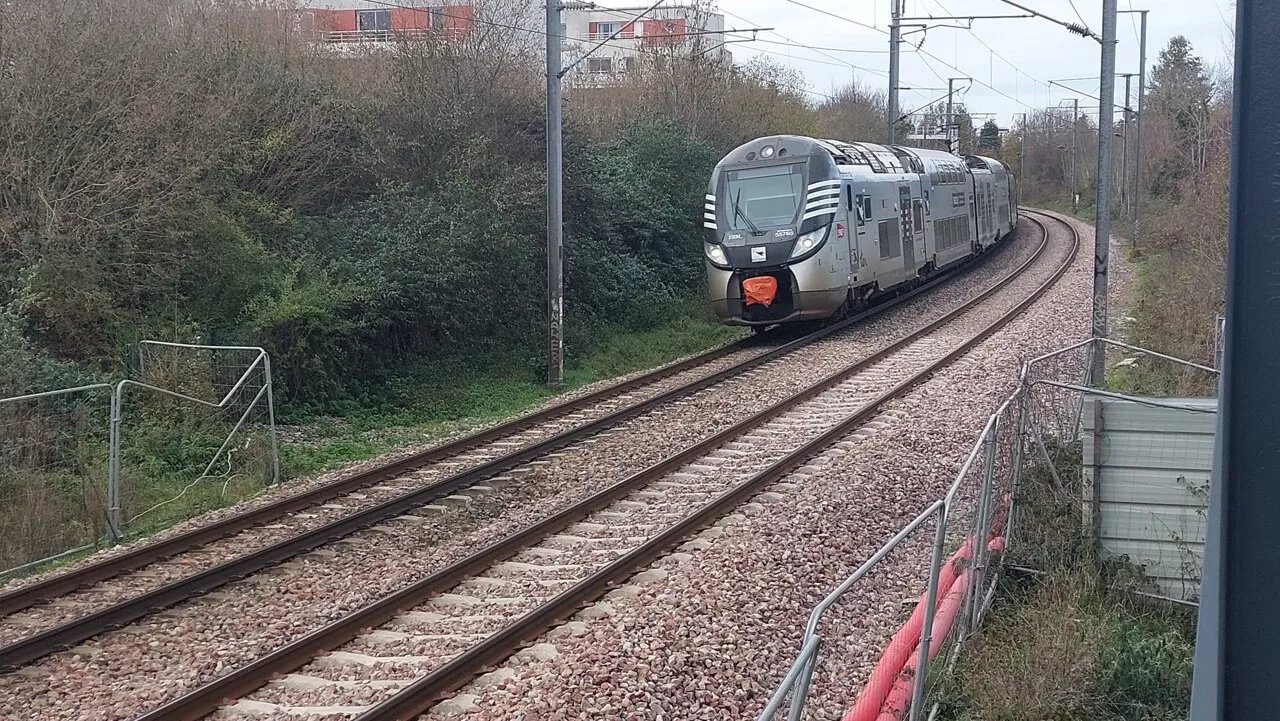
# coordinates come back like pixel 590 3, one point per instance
pixel 866 208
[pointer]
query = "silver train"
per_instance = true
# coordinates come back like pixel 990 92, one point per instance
pixel 802 229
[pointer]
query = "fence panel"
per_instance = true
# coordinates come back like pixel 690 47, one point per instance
pixel 53 474
pixel 194 430
pixel 1146 477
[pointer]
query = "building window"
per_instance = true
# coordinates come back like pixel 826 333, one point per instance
pixel 602 31
pixel 628 64
pixel 599 65
pixel 437 18
pixel 373 20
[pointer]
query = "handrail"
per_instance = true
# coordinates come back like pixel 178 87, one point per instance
pixel 808 651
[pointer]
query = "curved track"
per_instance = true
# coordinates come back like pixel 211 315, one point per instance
pixel 385 492
pixel 442 631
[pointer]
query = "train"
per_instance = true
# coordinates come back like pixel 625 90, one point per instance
pixel 800 229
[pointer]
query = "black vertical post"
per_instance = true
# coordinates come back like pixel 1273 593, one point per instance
pixel 1238 639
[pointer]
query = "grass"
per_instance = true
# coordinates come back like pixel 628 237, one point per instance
pixel 424 408
pixel 163 459
pixel 1071 644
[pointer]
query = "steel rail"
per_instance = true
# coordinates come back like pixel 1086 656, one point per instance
pixel 38 645
pixel 298 653
pixel 29 595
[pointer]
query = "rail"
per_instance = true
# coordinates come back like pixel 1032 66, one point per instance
pixel 419 695
pixel 795 682
pixel 43 643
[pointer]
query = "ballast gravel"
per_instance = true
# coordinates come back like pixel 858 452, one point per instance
pixel 145 664
pixel 714 637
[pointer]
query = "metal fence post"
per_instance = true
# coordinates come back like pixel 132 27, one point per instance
pixel 801 689
pixel 114 527
pixel 271 418
pixel 987 502
pixel 1015 485
pixel 931 602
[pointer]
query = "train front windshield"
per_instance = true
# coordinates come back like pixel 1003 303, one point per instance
pixel 763 197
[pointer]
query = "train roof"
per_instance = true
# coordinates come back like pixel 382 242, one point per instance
pixel 874 156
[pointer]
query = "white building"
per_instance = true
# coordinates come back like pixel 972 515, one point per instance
pixel 669 30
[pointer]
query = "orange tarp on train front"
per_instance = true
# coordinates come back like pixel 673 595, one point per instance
pixel 760 290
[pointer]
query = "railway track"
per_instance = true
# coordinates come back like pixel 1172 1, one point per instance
pixel 434 636
pixel 196 562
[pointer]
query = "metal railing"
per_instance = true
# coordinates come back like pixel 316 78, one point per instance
pixel 387 36
pixel 74 461
pixel 236 397
pixel 983 496
pixel 52 476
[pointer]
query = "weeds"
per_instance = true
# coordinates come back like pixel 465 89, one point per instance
pixel 1070 643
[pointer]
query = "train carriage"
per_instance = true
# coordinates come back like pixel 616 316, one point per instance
pixel 802 229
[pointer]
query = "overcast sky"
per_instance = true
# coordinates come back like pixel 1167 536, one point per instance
pixel 1039 50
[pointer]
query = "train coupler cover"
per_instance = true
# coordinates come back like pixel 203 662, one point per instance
pixel 760 290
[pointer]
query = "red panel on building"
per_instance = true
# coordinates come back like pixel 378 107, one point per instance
pixel 332 20
pixel 410 18
pixel 671 31
pixel 458 18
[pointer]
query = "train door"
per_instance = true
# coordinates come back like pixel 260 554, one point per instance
pixel 975 235
pixel 908 232
pixel 918 210
pixel 859 206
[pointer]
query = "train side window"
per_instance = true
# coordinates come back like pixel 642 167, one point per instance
pixel 866 208
pixel 918 207
pixel 857 205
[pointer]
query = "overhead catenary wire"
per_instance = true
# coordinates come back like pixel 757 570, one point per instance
pixel 1008 62
pixel 920 51
pixel 542 33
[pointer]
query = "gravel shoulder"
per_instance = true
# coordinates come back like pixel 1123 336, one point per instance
pixel 119 674
pixel 714 636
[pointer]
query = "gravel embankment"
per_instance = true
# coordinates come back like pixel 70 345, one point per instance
pixel 122 673
pixel 714 636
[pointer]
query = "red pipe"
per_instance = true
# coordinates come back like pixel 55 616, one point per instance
pixel 868 704
pixel 899 698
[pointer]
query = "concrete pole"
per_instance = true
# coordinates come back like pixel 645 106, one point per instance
pixel 895 37
pixel 555 202
pixel 951 117
pixel 1142 113
pixel 1075 151
pixel 1124 151
pixel 1102 223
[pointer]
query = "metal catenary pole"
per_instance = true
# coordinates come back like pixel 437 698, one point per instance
pixel 1142 114
pixel 1102 222
pixel 1075 126
pixel 1124 148
pixel 1023 165
pixel 895 36
pixel 951 146
pixel 555 202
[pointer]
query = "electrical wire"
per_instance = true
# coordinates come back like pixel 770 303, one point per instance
pixel 1016 69
pixel 1078 15
pixel 543 33
pixel 923 52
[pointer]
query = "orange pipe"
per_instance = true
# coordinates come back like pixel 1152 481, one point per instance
pixel 899 698
pixel 868 704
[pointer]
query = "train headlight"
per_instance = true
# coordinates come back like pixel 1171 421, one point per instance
pixel 715 254
pixel 809 242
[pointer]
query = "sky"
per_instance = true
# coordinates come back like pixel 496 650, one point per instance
pixel 1011 61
